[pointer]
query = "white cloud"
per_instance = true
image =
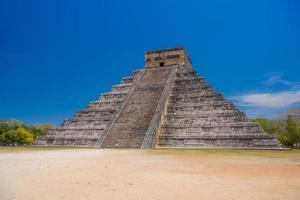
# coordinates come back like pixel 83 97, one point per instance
pixel 270 100
pixel 267 102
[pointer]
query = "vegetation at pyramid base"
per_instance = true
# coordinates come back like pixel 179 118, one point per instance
pixel 14 132
pixel 286 128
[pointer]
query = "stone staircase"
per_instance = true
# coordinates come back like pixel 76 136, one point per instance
pixel 197 116
pixel 87 125
pixel 132 124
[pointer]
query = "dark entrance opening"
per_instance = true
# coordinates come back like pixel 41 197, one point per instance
pixel 161 64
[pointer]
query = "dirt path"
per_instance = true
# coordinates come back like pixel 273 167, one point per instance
pixel 135 174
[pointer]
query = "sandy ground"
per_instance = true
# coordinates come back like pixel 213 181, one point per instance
pixel 136 174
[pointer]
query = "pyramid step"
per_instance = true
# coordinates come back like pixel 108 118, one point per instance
pixel 194 78
pixel 113 96
pixel 137 73
pixel 202 112
pixel 186 91
pixel 94 113
pixel 100 118
pixel 79 141
pixel 205 115
pixel 213 101
pixel 73 133
pixel 195 95
pixel 93 105
pixel 190 87
pixel 98 110
pixel 198 98
pixel 79 129
pixel 110 102
pixel 188 73
pixel 98 106
pixel 85 123
pixel 212 135
pixel 259 141
pixel 211 128
pixel 89 118
pixel 121 87
pixel 84 127
pixel 208 125
pixel 115 104
pixel 199 108
pixel 199 104
pixel 200 119
pixel 189 81
pixel 115 93
pixel 127 80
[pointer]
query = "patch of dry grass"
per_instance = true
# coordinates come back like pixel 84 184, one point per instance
pixel 34 148
pixel 292 153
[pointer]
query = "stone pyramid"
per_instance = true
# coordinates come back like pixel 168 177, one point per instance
pixel 166 104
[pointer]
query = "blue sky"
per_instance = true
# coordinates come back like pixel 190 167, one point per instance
pixel 56 56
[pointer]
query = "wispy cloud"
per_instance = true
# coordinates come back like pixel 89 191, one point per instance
pixel 271 100
pixel 269 103
pixel 275 78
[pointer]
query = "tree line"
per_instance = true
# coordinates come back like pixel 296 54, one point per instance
pixel 14 132
pixel 286 127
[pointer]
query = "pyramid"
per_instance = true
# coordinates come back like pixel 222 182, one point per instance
pixel 166 104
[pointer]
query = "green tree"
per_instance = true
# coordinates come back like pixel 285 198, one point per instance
pixel 11 137
pixel 14 132
pixel 267 125
pixel 291 134
pixel 26 136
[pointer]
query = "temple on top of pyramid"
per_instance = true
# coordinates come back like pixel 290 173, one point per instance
pixel 166 104
pixel 166 57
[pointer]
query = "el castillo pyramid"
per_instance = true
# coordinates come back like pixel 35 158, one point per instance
pixel 166 104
